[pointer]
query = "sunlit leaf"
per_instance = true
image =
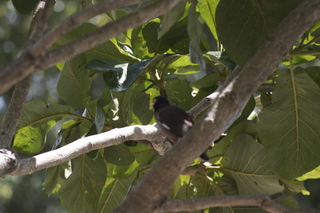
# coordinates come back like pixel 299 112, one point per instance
pixel 31 139
pixel 207 11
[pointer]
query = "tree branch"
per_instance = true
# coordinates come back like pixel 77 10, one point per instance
pixel 262 201
pixel 8 159
pixel 223 113
pixel 84 145
pixel 38 57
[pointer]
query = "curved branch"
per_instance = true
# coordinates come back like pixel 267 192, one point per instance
pixel 264 202
pixel 38 57
pixel 71 22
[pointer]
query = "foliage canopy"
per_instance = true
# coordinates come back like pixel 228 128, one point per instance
pixel 183 54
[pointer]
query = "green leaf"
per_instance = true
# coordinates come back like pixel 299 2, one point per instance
pixel 207 11
pixel 118 155
pixel 314 174
pixel 243 26
pixel 170 18
pixel 109 50
pixel 73 85
pixel 142 109
pixel 55 176
pixel 113 193
pixel 195 32
pixel 181 65
pixel 36 112
pixel 25 7
pixel 176 33
pixel 81 191
pixel 247 163
pixel 289 127
pixel 142 155
pixel 118 76
pixel 75 130
pixel 30 139
pixel 179 92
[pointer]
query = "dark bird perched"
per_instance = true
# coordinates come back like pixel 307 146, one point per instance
pixel 173 121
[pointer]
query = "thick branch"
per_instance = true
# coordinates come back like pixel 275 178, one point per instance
pixel 261 201
pixel 8 159
pixel 71 22
pixel 222 114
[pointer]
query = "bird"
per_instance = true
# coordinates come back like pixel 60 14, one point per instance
pixel 173 121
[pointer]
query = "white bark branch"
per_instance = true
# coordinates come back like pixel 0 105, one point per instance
pixel 87 144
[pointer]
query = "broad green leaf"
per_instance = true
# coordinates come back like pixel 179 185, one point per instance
pixel 207 11
pixel 195 32
pixel 176 33
pixel 179 92
pixel 243 26
pixel 81 191
pixel 247 163
pixel 210 80
pixel 79 31
pixel 31 139
pixel 314 74
pixel 36 112
pixel 142 155
pixel 181 65
pixel 25 7
pixel 289 127
pixel 118 76
pixel 73 85
pixel 113 193
pixel 138 44
pixel 127 102
pixel 109 50
pixel 75 131
pixel 118 155
pixel 55 176
pixel 170 18
pixel 202 185
pixel 142 109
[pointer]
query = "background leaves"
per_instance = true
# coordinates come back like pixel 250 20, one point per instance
pixel 112 85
